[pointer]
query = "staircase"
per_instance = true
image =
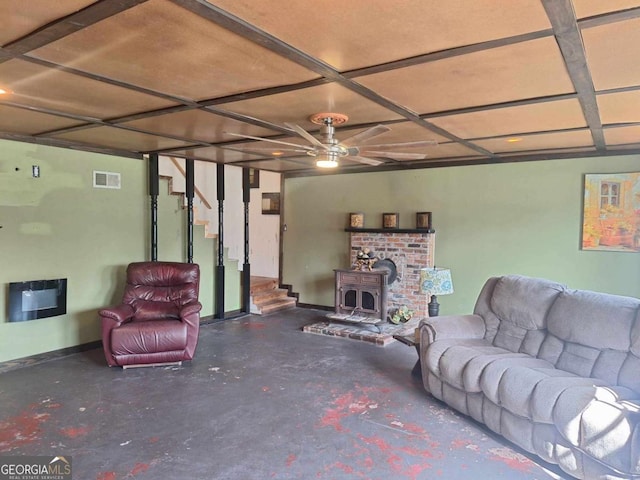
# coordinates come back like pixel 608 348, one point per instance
pixel 204 213
pixel 266 297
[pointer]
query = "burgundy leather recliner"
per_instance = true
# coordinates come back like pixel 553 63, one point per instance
pixel 159 317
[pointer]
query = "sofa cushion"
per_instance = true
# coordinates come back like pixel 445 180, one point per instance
pixel 551 348
pixel 524 301
pixel 476 367
pixel 630 373
pixel 520 388
pixel 510 336
pixel 149 337
pixel 602 421
pixel 461 363
pixel 494 371
pixel 483 308
pixel 146 310
pixel 593 319
pixel 635 336
pixel 178 294
pixel 578 359
pixel 533 392
pixel 434 351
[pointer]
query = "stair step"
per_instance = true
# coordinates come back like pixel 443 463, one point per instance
pixel 262 284
pixel 277 305
pixel 267 297
pixel 260 298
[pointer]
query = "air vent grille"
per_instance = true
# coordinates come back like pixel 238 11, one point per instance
pixel 106 179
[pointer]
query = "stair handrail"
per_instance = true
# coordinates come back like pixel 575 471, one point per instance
pixel 175 162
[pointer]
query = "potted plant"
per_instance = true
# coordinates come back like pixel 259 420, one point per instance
pixel 400 315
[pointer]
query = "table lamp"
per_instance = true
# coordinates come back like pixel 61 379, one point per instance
pixel 435 281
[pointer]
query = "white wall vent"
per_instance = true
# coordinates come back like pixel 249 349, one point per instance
pixel 106 180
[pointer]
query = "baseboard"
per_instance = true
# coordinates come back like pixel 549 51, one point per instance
pixel 316 307
pixel 210 319
pixel 47 356
pixel 296 295
pixel 290 292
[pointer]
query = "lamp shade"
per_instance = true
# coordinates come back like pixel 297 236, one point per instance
pixel 436 281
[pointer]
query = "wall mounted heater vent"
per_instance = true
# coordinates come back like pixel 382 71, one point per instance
pixel 106 180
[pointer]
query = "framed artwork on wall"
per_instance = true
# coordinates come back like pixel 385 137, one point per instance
pixel 390 220
pixel 254 178
pixel 271 203
pixel 356 220
pixel 611 212
pixel 424 221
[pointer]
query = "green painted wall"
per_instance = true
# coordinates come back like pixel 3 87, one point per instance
pixel 59 226
pixel 522 218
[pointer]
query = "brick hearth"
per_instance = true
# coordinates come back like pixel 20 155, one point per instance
pixel 410 252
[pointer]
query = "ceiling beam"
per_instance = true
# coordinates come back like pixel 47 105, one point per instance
pixel 530 134
pixel 497 106
pixel 567 33
pixel 607 18
pixel 107 80
pixel 449 53
pixel 72 23
pixel 58 142
pixel 466 161
pixel 183 104
pixel 263 92
pixel 252 33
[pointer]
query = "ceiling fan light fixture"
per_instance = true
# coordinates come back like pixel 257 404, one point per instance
pixel 326 164
pixel 326 160
pixel 326 150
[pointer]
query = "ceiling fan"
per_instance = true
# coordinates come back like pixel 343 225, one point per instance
pixel 328 150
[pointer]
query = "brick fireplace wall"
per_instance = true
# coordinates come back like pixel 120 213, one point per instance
pixel 410 252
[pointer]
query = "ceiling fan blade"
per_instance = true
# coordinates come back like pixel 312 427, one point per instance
pixel 274 153
pixel 365 135
pixel 368 161
pixel 262 139
pixel 398 155
pixel 265 149
pixel 306 135
pixel 421 143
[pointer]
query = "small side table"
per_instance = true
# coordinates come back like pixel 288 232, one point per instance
pixel 410 341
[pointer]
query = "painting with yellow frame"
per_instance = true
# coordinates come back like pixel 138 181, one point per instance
pixel 611 217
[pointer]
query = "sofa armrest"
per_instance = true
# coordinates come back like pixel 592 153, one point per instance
pixel 112 318
pixel 451 326
pixel 190 315
pixel 190 309
pixel 118 314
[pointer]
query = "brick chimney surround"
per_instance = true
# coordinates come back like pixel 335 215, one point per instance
pixel 410 251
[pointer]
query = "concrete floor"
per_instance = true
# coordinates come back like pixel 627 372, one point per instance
pixel 261 400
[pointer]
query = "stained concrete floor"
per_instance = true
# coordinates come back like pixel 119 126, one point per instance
pixel 261 400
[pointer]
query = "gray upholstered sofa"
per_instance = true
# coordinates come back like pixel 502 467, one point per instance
pixel 555 371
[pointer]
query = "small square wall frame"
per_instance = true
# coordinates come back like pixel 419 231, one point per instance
pixel 271 203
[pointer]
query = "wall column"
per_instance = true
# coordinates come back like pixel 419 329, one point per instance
pixel 246 267
pixel 219 293
pixel 154 190
pixel 189 176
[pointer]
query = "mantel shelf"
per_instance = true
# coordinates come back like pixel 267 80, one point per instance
pixel 388 230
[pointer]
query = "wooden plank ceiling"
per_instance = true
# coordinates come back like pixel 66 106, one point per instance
pixel 488 81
